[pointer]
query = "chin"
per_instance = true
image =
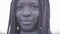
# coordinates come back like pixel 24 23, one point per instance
pixel 27 29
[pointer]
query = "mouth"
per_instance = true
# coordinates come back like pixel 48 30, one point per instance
pixel 26 22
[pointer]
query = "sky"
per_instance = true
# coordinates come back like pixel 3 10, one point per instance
pixel 54 15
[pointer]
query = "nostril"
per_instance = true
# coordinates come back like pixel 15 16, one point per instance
pixel 26 15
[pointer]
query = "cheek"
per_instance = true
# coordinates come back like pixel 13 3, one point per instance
pixel 18 13
pixel 35 14
pixel 18 16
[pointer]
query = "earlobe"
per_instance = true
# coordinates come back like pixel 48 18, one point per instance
pixel 17 28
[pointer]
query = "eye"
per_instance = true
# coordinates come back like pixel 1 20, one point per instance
pixel 19 7
pixel 35 7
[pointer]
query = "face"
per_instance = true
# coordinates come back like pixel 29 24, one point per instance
pixel 27 13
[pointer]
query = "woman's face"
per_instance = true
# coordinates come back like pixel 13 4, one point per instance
pixel 27 13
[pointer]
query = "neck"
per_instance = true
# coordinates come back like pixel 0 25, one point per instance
pixel 32 30
pixel 35 30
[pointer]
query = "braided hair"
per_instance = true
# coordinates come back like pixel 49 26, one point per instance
pixel 44 18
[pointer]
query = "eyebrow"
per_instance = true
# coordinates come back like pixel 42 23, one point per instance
pixel 32 3
pixel 18 4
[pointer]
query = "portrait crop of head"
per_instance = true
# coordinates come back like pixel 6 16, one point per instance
pixel 29 17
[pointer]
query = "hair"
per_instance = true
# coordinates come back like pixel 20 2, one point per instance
pixel 44 18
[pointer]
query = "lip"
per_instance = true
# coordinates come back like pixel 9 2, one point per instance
pixel 26 24
pixel 27 20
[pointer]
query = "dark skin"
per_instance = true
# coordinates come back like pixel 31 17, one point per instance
pixel 27 13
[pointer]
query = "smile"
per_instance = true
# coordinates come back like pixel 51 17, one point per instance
pixel 27 20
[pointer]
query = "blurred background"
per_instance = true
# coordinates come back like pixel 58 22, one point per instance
pixel 54 16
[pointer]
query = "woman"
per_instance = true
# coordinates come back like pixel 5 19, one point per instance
pixel 29 17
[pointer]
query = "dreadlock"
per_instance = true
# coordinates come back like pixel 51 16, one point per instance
pixel 44 17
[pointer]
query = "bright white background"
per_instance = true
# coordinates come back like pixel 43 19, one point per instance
pixel 54 15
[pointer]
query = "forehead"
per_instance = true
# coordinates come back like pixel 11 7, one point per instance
pixel 28 1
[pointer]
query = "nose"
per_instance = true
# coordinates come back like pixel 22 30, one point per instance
pixel 26 13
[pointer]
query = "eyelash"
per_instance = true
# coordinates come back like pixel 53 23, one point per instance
pixel 33 7
pixel 19 7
